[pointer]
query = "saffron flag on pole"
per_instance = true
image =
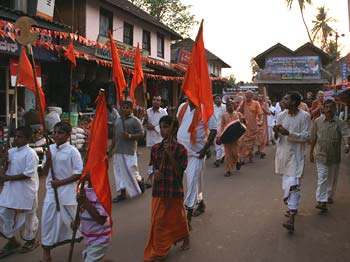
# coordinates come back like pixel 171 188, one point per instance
pixel 138 74
pixel 117 71
pixel 96 164
pixel 197 83
pixel 26 78
pixel 70 54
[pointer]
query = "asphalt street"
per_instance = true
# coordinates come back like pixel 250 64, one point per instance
pixel 242 223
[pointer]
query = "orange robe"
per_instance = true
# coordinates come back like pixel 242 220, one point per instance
pixel 262 136
pixel 231 149
pixel 168 226
pixel 251 111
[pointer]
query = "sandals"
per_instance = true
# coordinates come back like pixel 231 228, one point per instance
pixel 29 246
pixel 9 249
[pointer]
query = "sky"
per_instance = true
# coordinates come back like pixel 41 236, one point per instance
pixel 236 31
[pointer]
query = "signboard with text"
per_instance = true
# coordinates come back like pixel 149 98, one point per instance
pixel 45 9
pixel 299 67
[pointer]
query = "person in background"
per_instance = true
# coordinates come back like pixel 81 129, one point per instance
pixel 309 99
pixel 317 106
pixel 19 196
pixel 127 130
pixel 262 136
pixel 53 116
pixel 219 110
pixel 326 137
pixel 112 116
pixel 271 118
pixel 151 125
pixel 293 132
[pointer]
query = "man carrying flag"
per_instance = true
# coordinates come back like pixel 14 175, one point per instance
pixel 196 118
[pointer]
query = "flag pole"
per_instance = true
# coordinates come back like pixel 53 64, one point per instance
pixel 41 113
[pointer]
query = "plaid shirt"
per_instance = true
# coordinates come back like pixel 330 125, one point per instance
pixel 170 183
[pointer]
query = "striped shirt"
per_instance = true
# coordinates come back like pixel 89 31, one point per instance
pixel 92 231
pixel 328 136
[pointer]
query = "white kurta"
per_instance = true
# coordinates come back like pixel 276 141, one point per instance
pixel 290 154
pixel 219 111
pixel 21 194
pixel 153 136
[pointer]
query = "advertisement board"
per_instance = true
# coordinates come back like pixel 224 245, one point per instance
pixel 299 67
pixel 45 9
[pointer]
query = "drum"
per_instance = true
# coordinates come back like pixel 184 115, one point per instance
pixel 232 132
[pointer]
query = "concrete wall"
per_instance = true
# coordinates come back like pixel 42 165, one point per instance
pixel 119 17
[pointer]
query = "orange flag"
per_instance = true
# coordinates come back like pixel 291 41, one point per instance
pixel 96 164
pixel 117 71
pixel 138 74
pixel 26 78
pixel 70 54
pixel 197 84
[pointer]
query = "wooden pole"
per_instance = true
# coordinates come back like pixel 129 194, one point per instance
pixel 41 113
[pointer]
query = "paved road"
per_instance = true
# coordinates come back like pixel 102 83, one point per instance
pixel 242 222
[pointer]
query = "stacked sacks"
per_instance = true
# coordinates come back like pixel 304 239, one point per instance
pixel 78 137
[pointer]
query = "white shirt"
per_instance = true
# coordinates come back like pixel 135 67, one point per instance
pixel 183 136
pixel 153 136
pixel 271 118
pixel 218 112
pixel 66 161
pixel 21 194
pixel 290 153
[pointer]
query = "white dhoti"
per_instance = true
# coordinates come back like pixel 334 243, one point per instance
pixel 194 174
pixel 327 181
pixel 220 152
pixel 56 226
pixel 291 190
pixel 25 221
pixel 95 252
pixel 126 174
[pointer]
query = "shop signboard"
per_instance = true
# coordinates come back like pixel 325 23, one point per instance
pixel 182 57
pixel 344 74
pixel 299 67
pixel 106 53
pixel 45 9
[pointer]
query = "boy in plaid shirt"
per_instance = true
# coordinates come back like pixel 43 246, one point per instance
pixel 169 223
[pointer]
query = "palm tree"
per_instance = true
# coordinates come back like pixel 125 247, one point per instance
pixel 321 29
pixel 301 7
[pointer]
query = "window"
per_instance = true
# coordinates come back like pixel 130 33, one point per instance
pixel 160 45
pixel 128 36
pixel 106 22
pixel 146 40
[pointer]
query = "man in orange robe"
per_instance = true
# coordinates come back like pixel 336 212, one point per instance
pixel 169 224
pixel 252 113
pixel 317 106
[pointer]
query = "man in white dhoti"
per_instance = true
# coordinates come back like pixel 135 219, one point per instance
pixel 64 160
pixel 127 130
pixel 192 134
pixel 219 111
pixel 18 198
pixel 326 139
pixel 151 125
pixel 292 131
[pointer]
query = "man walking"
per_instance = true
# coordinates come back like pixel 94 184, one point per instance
pixel 219 110
pixel 326 137
pixel 192 134
pixel 293 131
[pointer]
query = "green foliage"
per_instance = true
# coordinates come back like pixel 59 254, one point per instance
pixel 172 13
pixel 255 68
pixel 322 29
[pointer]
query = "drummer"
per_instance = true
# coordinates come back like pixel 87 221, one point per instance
pixel 231 149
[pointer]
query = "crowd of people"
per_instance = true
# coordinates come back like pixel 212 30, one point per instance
pixel 178 147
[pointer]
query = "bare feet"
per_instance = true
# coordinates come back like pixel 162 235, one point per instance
pixel 185 244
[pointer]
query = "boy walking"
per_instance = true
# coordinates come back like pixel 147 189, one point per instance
pixel 94 225
pixel 326 137
pixel 18 199
pixel 65 161
pixel 169 224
